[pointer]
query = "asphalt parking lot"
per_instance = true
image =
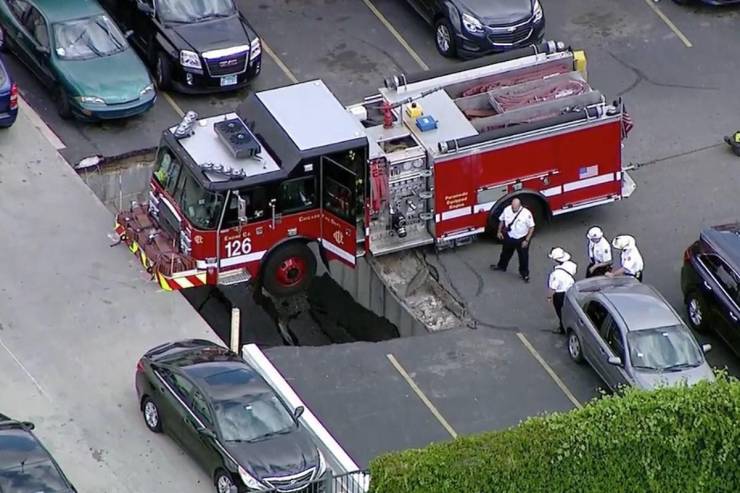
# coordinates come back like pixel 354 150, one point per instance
pixel 676 67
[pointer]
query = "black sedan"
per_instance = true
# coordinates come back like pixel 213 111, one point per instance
pixel 25 465
pixel 468 28
pixel 227 417
pixel 710 280
pixel 192 45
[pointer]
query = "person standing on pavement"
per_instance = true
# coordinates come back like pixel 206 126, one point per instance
pixel 599 253
pixel 562 277
pixel 632 263
pixel 515 229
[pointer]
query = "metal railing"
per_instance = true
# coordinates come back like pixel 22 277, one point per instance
pixel 352 482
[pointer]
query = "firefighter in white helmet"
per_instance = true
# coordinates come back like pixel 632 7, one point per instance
pixel 599 253
pixel 562 277
pixel 632 263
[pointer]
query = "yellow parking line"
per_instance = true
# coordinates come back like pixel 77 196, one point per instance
pixel 172 103
pixel 396 34
pixel 684 39
pixel 279 62
pixel 421 395
pixel 549 370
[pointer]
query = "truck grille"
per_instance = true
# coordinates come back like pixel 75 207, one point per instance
pixel 295 482
pixel 234 64
pixel 511 35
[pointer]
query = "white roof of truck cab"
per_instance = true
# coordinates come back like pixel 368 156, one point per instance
pixel 311 115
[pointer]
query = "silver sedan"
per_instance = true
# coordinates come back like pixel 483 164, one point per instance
pixel 630 335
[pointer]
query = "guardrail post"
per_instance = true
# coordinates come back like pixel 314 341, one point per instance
pixel 235 328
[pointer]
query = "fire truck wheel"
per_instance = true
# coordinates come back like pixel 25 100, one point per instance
pixel 289 270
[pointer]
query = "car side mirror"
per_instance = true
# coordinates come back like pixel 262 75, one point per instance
pixel 128 34
pixel 206 433
pixel 241 205
pixel 27 425
pixel 144 8
pixel 614 360
pixel 299 412
pixel 43 50
pixel 706 348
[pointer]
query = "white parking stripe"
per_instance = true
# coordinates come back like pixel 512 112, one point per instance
pixel 396 34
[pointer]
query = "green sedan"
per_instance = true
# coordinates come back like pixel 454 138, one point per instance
pixel 77 52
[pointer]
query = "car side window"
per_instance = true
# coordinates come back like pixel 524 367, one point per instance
pixel 596 313
pixel 36 26
pixel 297 195
pixel 725 276
pixel 200 408
pixel 183 388
pixel 167 169
pixel 613 336
pixel 19 8
pixel 256 202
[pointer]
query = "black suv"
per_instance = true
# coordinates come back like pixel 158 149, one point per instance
pixel 469 28
pixel 25 465
pixel 191 45
pixel 710 280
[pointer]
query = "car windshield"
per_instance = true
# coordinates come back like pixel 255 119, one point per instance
pixel 39 476
pixel 253 418
pixel 194 10
pixel 201 206
pixel 92 37
pixel 664 349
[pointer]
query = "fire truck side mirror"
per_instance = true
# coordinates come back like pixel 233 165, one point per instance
pixel 241 206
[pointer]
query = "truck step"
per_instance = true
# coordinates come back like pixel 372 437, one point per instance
pixel 234 277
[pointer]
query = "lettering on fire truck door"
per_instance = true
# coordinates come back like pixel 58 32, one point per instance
pixel 338 211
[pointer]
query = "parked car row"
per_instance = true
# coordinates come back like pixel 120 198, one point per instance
pixel 80 54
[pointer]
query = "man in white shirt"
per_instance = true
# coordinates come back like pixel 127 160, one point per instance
pixel 515 229
pixel 562 277
pixel 599 253
pixel 632 263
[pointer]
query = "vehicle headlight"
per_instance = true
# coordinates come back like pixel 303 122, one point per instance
pixel 189 59
pixel 90 100
pixel 322 465
pixel 471 24
pixel 255 48
pixel 537 11
pixel 249 480
pixel 146 90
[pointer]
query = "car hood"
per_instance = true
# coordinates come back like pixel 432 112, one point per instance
pixel 280 455
pixel 499 11
pixel 213 34
pixel 690 376
pixel 116 78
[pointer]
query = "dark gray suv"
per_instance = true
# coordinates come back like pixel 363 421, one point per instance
pixel 468 28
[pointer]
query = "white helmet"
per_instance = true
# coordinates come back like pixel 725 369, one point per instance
pixel 595 233
pixel 623 242
pixel 559 255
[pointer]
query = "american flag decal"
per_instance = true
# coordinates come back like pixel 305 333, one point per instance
pixel 588 171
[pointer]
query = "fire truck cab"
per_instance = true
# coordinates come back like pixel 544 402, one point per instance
pixel 431 159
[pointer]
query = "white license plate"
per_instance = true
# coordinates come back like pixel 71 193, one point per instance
pixel 229 80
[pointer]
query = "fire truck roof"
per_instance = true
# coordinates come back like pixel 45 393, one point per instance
pixel 311 115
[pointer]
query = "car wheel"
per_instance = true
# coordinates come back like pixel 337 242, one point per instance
pixel 574 347
pixel 223 482
pixel 151 415
pixel 289 270
pixel 63 107
pixel 162 71
pixel 696 308
pixel 444 38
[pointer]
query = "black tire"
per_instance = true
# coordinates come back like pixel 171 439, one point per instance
pixel 531 202
pixel 575 349
pixel 63 107
pixel 289 270
pixel 153 422
pixel 221 479
pixel 697 311
pixel 448 49
pixel 683 2
pixel 162 71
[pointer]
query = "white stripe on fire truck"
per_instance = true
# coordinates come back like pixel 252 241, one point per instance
pixel 483 207
pixel 462 211
pixel 338 251
pixel 582 206
pixel 549 192
pixel 462 234
pixel 588 182
pixel 619 175
pixel 184 283
pixel 241 259
pixel 171 208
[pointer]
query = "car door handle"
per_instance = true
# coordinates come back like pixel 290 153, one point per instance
pixel 579 322
pixel 706 285
pixel 733 317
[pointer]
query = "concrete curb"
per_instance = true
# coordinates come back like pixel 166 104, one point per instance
pixel 337 459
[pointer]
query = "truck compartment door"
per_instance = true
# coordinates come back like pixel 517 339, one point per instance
pixel 340 207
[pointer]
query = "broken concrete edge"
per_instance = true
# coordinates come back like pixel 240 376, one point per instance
pixel 99 162
pixel 336 457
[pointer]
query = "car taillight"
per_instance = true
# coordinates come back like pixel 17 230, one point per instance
pixel 687 255
pixel 14 96
pixel 140 367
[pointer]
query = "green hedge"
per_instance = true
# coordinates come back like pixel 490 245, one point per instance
pixel 674 440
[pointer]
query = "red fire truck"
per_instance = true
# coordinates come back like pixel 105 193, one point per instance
pixel 430 160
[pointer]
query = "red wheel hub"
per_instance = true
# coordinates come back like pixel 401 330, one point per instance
pixel 291 271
